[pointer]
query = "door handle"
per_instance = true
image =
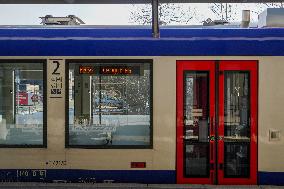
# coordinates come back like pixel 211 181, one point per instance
pixel 212 138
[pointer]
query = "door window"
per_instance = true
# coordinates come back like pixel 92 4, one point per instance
pixel 196 124
pixel 236 124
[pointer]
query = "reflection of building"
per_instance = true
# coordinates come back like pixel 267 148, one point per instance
pixel 32 88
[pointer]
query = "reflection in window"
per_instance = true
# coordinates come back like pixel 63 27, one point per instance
pixel 236 124
pixel 21 104
pixel 196 160
pixel 237 113
pixel 196 107
pixel 237 162
pixel 109 104
pixel 196 127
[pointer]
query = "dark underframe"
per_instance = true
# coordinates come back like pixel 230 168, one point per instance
pixel 67 62
pixel 44 62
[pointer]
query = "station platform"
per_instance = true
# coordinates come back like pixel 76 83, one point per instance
pixel 20 185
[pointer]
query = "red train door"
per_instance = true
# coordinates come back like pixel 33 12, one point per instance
pixel 195 117
pixel 237 144
pixel 217 143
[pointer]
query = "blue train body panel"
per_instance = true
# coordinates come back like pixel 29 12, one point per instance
pixel 75 175
pixel 138 42
pixel 118 176
pixel 271 178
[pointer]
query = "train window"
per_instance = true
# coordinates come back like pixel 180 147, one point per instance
pixel 21 104
pixel 110 104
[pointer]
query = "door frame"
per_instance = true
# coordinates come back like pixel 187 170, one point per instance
pixel 182 67
pixel 252 67
pixel 216 86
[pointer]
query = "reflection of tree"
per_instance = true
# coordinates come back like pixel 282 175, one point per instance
pixel 230 11
pixel 189 97
pixel 262 6
pixel 134 91
pixel 224 11
pixel 169 13
pixel 138 93
pixel 181 14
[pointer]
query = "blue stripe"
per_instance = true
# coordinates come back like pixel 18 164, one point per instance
pixel 72 175
pixel 79 32
pixel 271 178
pixel 137 42
pixel 221 32
pixel 141 48
pixel 119 176
pixel 139 32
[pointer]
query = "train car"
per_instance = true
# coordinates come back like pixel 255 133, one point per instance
pixel 94 104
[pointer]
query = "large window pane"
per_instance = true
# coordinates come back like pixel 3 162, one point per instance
pixel 21 104
pixel 109 104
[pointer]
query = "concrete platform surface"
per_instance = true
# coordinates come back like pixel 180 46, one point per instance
pixel 21 185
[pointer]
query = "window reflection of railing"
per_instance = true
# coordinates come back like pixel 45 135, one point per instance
pixel 97 132
pixel 29 133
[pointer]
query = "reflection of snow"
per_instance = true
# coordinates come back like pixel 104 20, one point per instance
pixel 3 129
pixel 114 130
pixel 101 132
pixel 21 133
pixel 34 129
pixel 33 118
pixel 131 138
pixel 123 119
pixel 91 128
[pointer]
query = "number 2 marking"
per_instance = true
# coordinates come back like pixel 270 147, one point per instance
pixel 56 68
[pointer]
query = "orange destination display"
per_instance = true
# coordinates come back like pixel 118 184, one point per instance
pixel 110 70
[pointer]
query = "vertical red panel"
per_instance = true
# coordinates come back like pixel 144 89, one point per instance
pixel 220 144
pixel 250 66
pixel 193 66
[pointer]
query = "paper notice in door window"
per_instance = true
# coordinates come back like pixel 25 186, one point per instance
pixel 197 112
